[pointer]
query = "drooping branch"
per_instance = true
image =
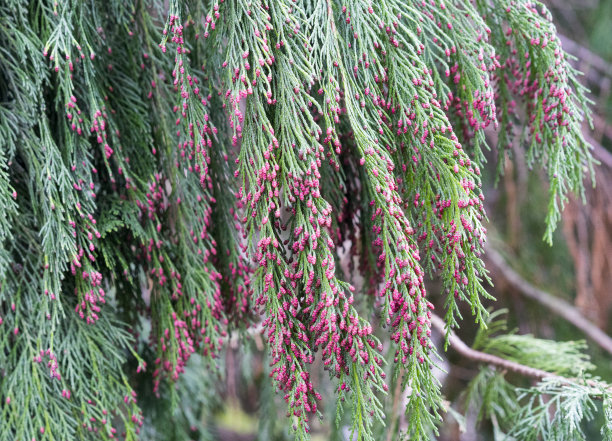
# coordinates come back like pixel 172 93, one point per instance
pixel 552 303
pixel 223 172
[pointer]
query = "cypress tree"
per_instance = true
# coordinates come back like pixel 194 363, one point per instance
pixel 174 174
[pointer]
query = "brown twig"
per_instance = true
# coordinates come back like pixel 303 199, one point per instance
pixel 395 412
pixel 512 366
pixel 482 357
pixel 585 55
pixel 554 304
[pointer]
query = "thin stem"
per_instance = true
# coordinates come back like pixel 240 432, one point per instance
pixel 553 303
pixel 460 346
pixel 483 357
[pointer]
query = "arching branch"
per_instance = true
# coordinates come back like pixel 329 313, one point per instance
pixel 554 304
pixel 483 357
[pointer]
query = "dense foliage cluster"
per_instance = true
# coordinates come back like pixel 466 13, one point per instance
pixel 173 172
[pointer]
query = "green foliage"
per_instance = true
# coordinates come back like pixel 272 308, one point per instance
pixel 569 403
pixel 492 397
pixel 186 409
pixel 606 430
pixel 540 70
pixel 554 409
pixel 561 358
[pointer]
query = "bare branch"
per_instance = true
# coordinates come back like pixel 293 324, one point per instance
pixel 483 357
pixel 553 303
pixel 527 371
pixel 585 55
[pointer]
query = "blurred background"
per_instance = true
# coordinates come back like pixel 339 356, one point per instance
pixel 577 270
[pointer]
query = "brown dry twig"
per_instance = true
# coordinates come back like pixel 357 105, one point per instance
pixel 508 365
pixel 554 304
pixel 482 357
